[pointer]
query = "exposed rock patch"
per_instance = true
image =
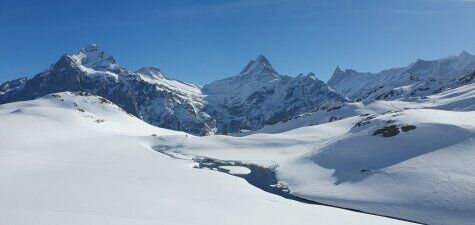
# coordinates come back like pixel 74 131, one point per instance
pixel 388 131
pixel 393 130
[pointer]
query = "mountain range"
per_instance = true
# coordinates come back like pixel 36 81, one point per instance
pixel 419 79
pixel 256 97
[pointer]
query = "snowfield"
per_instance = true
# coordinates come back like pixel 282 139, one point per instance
pixel 407 159
pixel 71 158
pixel 75 158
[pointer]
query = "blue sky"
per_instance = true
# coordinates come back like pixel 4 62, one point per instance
pixel 201 41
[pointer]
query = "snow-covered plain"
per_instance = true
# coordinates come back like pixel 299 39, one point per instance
pixel 69 158
pixel 425 173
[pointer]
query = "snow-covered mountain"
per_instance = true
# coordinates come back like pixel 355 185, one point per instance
pixel 146 93
pixel 260 96
pixel 419 79
pixel 250 100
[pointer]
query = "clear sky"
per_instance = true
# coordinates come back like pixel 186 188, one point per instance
pixel 201 41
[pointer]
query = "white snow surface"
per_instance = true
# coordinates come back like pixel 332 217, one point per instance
pixel 69 159
pixel 236 169
pixel 426 174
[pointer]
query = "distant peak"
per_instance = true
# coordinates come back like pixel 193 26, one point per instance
pixel 262 59
pixel 338 75
pixel 151 68
pixel 338 69
pixel 151 72
pixel 90 48
pixel 309 75
pixel 464 54
pixel 260 65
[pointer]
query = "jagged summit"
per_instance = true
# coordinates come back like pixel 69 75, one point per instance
pixel 309 74
pixel 151 72
pixel 260 65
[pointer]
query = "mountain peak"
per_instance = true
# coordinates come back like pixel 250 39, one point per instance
pixel 151 72
pixel 262 59
pixel 464 54
pixel 338 69
pixel 260 65
pixel 90 48
pixel 93 57
pixel 338 75
pixel 311 74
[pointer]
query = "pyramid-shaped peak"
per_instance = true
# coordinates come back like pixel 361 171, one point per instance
pixel 464 54
pixel 262 59
pixel 338 75
pixel 260 65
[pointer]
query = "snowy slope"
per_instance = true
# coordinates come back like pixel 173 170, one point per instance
pixel 412 160
pixel 424 174
pixel 419 79
pixel 71 158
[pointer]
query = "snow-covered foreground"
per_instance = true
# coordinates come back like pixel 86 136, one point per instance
pixel 68 159
pixel 412 160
